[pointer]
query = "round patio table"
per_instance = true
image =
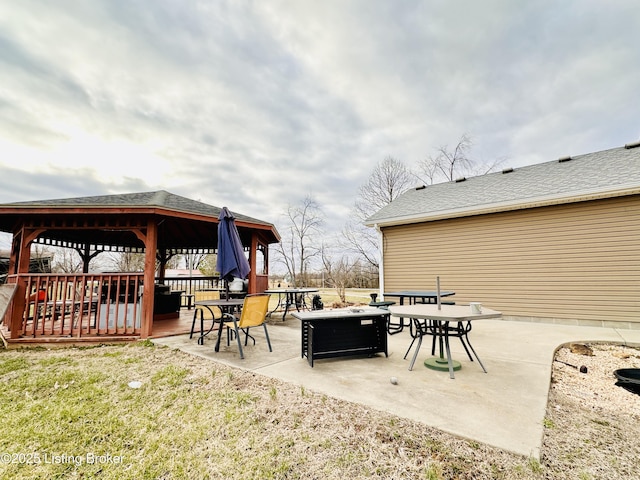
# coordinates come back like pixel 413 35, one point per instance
pixel 226 305
pixel 291 296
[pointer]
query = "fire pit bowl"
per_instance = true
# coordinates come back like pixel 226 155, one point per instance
pixel 629 379
pixel 628 375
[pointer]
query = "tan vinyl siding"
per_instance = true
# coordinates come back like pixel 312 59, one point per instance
pixel 576 261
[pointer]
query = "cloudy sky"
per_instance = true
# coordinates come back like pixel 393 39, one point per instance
pixel 256 104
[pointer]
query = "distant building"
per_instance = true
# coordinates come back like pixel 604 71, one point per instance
pixel 41 264
pixel 182 272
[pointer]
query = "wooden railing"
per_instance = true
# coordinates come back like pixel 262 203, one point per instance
pixel 190 284
pixel 75 305
pixel 86 305
pixel 193 284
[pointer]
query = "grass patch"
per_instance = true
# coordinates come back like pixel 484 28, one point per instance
pixel 13 364
pixel 71 413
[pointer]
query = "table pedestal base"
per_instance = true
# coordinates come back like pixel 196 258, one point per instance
pixel 441 364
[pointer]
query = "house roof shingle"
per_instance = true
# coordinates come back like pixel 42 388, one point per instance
pixel 602 174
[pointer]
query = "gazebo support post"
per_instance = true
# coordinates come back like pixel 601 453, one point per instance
pixel 21 259
pixel 253 254
pixel 151 244
pixel 21 256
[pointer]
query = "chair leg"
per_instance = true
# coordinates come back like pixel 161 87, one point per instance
pixel 247 336
pixel 193 324
pixel 420 331
pixel 462 337
pixel 266 334
pixel 393 328
pixel 237 333
pixel 409 349
pixel 201 337
pixel 459 332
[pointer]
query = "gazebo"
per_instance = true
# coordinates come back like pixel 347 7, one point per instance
pixel 96 306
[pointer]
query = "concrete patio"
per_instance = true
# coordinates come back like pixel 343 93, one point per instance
pixel 504 408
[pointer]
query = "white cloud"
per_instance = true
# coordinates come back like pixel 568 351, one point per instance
pixel 255 105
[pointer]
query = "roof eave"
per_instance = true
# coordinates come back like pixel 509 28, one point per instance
pixel 110 209
pixel 535 202
pixel 133 209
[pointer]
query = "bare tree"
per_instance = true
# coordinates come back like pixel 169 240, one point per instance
pixel 337 273
pixel 41 259
pixel 195 261
pixel 300 244
pixel 126 262
pixel 387 181
pixel 174 261
pixel 448 165
pixel 361 241
pixel 207 264
pixel 66 260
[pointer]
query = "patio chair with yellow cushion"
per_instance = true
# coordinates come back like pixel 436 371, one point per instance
pixel 212 314
pixel 253 314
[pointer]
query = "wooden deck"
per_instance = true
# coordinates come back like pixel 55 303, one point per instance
pixel 173 326
pixel 63 335
pixel 161 328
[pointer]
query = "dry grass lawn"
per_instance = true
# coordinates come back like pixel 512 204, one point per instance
pixel 71 413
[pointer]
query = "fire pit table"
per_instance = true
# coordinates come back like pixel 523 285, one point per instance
pixel 337 333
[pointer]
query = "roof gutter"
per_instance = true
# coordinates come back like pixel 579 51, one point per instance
pixel 535 202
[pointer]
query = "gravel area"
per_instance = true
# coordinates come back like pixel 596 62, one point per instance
pixel 592 427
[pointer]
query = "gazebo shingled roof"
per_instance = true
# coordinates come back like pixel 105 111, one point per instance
pixel 185 224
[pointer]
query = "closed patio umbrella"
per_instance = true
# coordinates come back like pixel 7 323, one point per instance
pixel 231 259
